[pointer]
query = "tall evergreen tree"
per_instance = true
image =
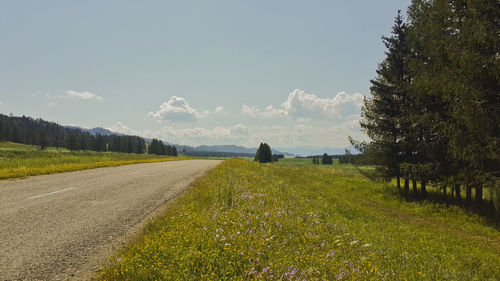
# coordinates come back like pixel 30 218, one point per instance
pixel 384 114
pixel 43 140
pixel 72 143
pixel 264 154
pixel 458 72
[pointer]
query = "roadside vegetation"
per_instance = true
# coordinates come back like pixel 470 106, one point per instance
pixel 250 221
pixel 20 160
pixel 433 114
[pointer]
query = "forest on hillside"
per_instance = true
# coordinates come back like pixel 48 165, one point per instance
pixel 433 116
pixel 43 133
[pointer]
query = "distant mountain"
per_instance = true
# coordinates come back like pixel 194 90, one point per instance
pixel 228 149
pixel 96 131
pixel 103 131
pixel 308 151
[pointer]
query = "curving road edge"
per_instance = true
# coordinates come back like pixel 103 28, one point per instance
pixel 64 226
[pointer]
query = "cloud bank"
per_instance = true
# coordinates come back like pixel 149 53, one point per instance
pixel 300 104
pixel 75 95
pixel 302 119
pixel 268 112
pixel 188 135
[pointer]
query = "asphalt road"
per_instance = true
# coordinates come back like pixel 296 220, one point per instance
pixel 63 226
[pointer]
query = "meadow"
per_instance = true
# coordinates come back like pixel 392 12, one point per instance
pixel 250 221
pixel 20 160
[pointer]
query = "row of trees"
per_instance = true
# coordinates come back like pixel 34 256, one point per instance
pixel 325 160
pixel 433 115
pixel 43 133
pixel 32 131
pixel 79 140
pixel 157 147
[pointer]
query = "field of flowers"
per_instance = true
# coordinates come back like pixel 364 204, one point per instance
pixel 20 160
pixel 250 221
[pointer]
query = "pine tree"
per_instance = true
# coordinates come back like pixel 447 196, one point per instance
pixel 264 154
pixel 384 113
pixel 153 147
pixel 458 77
pixel 259 153
pixel 162 148
pixel 71 143
pixel 326 159
pixel 43 140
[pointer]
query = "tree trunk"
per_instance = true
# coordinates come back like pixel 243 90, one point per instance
pixel 399 181
pixel 479 195
pixel 444 192
pixel 468 194
pixel 423 184
pixel 452 193
pixel 415 192
pixel 407 185
pixel 457 193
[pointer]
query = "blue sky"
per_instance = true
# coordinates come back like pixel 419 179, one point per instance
pixel 292 73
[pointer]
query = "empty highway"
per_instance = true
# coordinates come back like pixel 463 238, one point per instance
pixel 63 226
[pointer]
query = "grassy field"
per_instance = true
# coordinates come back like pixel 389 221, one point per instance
pixel 301 162
pixel 245 220
pixel 19 160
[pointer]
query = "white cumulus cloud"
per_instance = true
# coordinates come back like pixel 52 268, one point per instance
pixel 177 109
pixel 82 95
pixel 302 105
pixel 219 109
pixel 119 127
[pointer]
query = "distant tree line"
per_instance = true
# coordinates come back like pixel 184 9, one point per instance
pixel 43 133
pixel 325 159
pixel 434 112
pixel 215 153
pixel 32 131
pixel 345 159
pixel 158 148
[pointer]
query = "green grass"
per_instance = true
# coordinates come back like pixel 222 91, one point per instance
pixel 245 220
pixel 306 162
pixel 19 160
pixel 24 147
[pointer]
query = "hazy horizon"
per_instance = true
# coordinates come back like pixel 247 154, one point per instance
pixel 289 73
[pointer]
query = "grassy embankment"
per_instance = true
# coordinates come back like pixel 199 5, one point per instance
pixel 19 160
pixel 245 221
pixel 434 193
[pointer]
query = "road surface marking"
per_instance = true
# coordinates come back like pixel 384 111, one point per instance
pixel 50 193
